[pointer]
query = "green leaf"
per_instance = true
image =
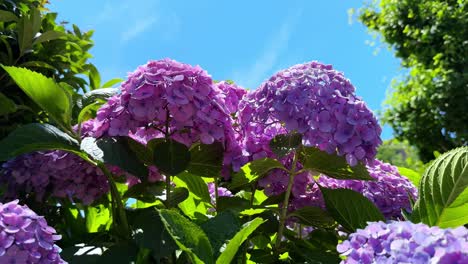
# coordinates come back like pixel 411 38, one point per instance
pixel 313 216
pixel 44 92
pixel 95 95
pixel 171 157
pixel 141 151
pixel 81 254
pixel 6 105
pixel 6 16
pixel 232 203
pixel 111 82
pixel 206 160
pixel 94 76
pixel 145 191
pixel 149 232
pixel 115 151
pixel 37 64
pixel 220 229
pixel 177 196
pixel 98 218
pixel 188 236
pixel 49 35
pixel 412 175
pixel 196 185
pixel 443 193
pixel 283 144
pixel 253 171
pixel 34 137
pixel 88 112
pixel 350 209
pixel 332 165
pixel 119 254
pixel 235 243
pixel 25 34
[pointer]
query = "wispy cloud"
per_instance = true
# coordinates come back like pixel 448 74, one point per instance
pixel 266 61
pixel 135 29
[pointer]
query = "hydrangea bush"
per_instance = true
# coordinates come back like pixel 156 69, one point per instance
pixel 174 167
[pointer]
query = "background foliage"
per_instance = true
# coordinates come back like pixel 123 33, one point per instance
pixel 430 37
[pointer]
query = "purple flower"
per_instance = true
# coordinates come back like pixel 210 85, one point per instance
pixel 405 242
pixel 316 101
pixel 25 237
pixel 221 192
pixel 167 95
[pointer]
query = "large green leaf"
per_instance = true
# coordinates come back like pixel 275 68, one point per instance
pixel 171 157
pixel 177 196
pixel 6 16
pixel 34 137
pixel 196 185
pixel 115 151
pixel 332 165
pixel 350 209
pixel 45 92
pixel 253 171
pixel 6 105
pixel 443 193
pixel 412 175
pixel 220 229
pixel 313 216
pixel 283 144
pixel 188 236
pixel 49 35
pixel 119 254
pixel 235 243
pixel 96 95
pixel 98 218
pixel 111 82
pixel 206 160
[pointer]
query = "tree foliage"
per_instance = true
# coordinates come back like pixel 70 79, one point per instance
pixel 31 38
pixel 427 105
pixel 400 153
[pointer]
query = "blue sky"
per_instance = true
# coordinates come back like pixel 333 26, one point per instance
pixel 245 41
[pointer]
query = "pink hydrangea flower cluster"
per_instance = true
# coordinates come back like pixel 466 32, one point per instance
pixel 168 97
pixel 316 101
pixel 25 237
pixel 405 242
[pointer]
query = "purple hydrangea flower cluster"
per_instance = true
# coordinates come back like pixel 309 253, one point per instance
pixel 166 96
pixel 232 95
pixel 55 173
pixel 25 237
pixel 316 101
pixel 405 242
pixel 221 192
pixel 390 191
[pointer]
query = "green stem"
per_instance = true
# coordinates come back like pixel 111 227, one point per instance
pixel 216 193
pixel 284 209
pixel 168 190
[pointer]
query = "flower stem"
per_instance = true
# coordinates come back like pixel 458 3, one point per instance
pixel 216 193
pixel 168 190
pixel 284 209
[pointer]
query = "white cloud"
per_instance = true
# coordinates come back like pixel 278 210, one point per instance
pixel 258 71
pixel 135 29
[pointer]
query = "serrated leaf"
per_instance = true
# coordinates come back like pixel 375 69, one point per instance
pixel 253 171
pixel 115 151
pixel 7 105
pixel 235 243
pixel 206 160
pixel 188 236
pixel 196 185
pixel 332 165
pixel 171 157
pixel 313 216
pixel 37 64
pixel 45 92
pixel 283 144
pixel 34 137
pixel 49 35
pixel 443 193
pixel 350 209
pixel 220 229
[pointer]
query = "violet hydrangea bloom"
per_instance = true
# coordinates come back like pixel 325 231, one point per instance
pixel 316 101
pixel 390 192
pixel 405 242
pixel 25 237
pixel 168 96
pixel 55 173
pixel 221 192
